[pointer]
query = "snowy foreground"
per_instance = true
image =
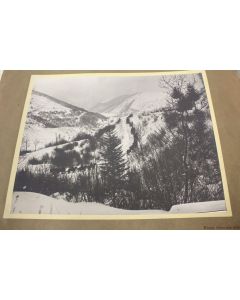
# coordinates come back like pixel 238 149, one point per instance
pixel 33 203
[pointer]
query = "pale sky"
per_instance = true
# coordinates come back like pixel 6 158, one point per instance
pixel 87 91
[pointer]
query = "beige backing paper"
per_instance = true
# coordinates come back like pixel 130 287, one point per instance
pixel 227 213
pixel 225 99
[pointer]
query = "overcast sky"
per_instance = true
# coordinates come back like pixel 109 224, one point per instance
pixel 87 91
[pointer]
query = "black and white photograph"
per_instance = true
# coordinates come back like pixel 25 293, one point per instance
pixel 123 144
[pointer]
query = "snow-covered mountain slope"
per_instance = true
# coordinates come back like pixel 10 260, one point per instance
pixel 133 103
pixel 49 119
pixel 23 162
pixel 46 111
pixel 106 107
pixel 147 123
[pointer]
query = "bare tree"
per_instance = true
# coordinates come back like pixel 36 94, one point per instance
pixel 36 142
pixel 56 136
pixel 170 82
pixel 180 82
pixel 26 143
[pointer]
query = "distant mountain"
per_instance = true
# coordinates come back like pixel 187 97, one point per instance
pixel 133 103
pixel 61 102
pixel 105 107
pixel 47 111
pixel 49 118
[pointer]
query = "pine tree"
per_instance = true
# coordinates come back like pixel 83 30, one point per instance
pixel 186 118
pixel 179 116
pixel 113 166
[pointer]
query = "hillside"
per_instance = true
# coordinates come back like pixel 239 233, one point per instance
pixel 58 101
pixel 46 111
pixel 108 106
pixel 49 119
pixel 127 104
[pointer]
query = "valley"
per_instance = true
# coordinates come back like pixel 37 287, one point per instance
pixel 145 151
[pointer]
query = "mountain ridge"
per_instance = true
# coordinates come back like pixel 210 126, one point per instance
pixel 58 101
pixel 107 105
pixel 132 103
pixel 48 118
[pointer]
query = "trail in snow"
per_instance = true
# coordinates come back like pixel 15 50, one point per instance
pixel 123 130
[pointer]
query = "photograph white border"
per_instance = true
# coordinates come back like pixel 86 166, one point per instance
pixel 7 211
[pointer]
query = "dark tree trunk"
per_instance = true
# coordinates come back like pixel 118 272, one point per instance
pixel 185 156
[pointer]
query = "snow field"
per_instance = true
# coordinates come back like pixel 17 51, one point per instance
pixel 34 203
